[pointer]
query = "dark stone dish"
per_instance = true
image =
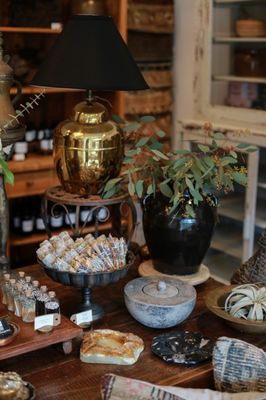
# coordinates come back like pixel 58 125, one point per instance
pixel 182 347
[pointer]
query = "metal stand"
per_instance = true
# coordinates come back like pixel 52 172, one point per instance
pixel 97 310
pixel 116 208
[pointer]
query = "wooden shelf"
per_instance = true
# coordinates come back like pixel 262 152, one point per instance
pixel 20 240
pixel 235 39
pixel 234 78
pixel 35 90
pixel 33 162
pixel 17 29
pixel 238 1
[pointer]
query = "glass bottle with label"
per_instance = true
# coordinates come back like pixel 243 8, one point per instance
pixel 27 218
pixel 28 308
pixel 39 224
pixel 57 219
pixel 41 299
pixel 102 214
pixel 52 305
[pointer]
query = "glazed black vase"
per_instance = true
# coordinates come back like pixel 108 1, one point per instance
pixel 177 244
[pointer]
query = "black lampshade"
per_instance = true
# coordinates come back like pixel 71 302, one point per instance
pixel 90 54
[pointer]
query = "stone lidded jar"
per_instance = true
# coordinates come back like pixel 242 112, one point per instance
pixel 159 302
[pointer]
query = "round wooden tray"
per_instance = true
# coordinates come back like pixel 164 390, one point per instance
pixel 215 300
pixel 15 331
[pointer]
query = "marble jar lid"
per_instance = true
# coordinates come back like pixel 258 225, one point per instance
pixel 161 291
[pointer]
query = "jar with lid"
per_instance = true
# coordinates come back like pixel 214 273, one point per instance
pixel 249 62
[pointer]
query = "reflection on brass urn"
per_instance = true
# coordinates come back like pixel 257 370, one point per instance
pixel 88 149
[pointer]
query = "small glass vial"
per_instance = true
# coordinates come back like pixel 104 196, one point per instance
pixel 21 277
pixel 35 289
pixel 28 308
pixel 41 299
pixel 26 284
pixel 10 295
pixel 18 300
pixel 52 305
pixel 4 287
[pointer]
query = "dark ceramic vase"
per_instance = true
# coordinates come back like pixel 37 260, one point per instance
pixel 177 244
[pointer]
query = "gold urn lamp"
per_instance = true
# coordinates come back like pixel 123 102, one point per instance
pixel 89 54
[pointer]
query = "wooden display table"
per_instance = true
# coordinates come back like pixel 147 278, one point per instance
pixel 58 377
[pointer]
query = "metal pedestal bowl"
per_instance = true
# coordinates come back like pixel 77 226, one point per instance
pixel 86 282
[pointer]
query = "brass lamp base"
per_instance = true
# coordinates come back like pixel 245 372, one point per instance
pixel 88 149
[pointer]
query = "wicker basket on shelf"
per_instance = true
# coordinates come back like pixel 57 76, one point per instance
pixel 157 75
pixel 148 102
pixel 250 28
pixel 157 18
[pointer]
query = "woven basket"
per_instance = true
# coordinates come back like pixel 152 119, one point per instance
pixel 151 18
pixel 250 28
pixel 238 366
pixel 148 102
pixel 254 269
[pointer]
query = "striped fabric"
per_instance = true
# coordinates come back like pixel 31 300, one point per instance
pixel 238 366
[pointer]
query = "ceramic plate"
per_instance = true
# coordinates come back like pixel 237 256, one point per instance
pixel 183 347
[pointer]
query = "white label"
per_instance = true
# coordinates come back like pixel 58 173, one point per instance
pixel 84 317
pixel 27 226
pixel 84 214
pixel 72 217
pixel 21 147
pixel 47 320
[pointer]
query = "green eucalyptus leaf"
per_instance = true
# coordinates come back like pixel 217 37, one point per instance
pixel 131 188
pixel 160 133
pixel 118 119
pixel 190 211
pixel 131 153
pixel 146 119
pixel 233 153
pixel 155 144
pixel 166 190
pixel 200 165
pixel 242 146
pixel 178 163
pixel 160 154
pixel 150 189
pixel 203 148
pixel 239 178
pixel 228 160
pixel 110 193
pixel 139 188
pixel 209 161
pixel 131 127
pixel 182 151
pixel 111 183
pixel 142 141
pixel 218 136
pixel 9 176
pixel 189 183
pixel 251 149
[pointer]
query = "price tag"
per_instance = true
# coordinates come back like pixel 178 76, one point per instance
pixel 47 320
pixel 84 317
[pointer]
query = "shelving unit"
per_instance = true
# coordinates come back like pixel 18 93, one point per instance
pixel 204 67
pixel 34 175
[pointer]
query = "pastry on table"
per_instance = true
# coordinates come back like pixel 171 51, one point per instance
pixel 106 346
